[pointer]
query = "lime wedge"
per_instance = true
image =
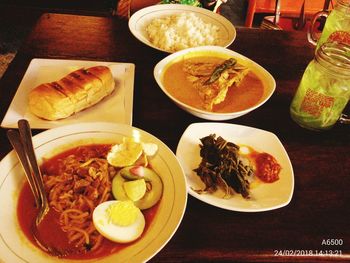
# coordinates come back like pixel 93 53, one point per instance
pixel 135 189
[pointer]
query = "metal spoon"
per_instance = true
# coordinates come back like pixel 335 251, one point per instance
pixel 23 146
pixel 26 138
pixel 16 143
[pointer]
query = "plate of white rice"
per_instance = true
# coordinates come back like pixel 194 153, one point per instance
pixel 174 27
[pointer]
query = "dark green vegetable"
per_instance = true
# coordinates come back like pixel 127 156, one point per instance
pixel 222 167
pixel 183 2
pixel 220 69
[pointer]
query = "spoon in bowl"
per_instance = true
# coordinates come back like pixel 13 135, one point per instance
pixel 23 146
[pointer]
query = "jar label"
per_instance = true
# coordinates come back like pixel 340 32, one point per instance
pixel 340 37
pixel 314 103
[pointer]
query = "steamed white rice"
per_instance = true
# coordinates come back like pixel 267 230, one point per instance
pixel 176 32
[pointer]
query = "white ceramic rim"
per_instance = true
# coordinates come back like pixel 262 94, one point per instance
pixel 261 140
pixel 136 21
pixel 159 233
pixel 160 66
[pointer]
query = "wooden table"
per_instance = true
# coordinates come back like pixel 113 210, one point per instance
pixel 319 212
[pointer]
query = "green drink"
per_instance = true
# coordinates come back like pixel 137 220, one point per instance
pixel 324 90
pixel 337 26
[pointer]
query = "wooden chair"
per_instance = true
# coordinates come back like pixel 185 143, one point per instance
pixel 288 8
pixel 125 8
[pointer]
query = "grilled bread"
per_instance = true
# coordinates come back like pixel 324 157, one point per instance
pixel 76 91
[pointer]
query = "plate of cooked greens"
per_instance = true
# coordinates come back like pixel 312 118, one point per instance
pixel 236 167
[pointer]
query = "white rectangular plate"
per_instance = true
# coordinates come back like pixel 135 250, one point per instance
pixel 265 196
pixel 117 107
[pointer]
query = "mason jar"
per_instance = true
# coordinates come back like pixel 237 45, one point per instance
pixel 324 89
pixel 336 28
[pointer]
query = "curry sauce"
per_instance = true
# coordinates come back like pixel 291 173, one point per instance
pixel 247 93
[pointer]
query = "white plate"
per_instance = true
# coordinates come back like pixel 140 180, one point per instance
pixel 117 107
pixel 140 20
pixel 265 196
pixel 14 246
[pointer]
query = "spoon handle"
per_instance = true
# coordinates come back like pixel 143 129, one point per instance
pixel 26 138
pixel 16 143
pixel 23 146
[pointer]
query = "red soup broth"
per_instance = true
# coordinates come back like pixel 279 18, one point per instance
pixel 49 229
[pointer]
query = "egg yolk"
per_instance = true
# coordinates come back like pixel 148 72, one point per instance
pixel 122 213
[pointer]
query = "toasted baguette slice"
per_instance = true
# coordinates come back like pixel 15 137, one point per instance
pixel 71 94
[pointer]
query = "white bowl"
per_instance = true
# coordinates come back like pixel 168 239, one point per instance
pixel 142 18
pixel 267 79
pixel 15 247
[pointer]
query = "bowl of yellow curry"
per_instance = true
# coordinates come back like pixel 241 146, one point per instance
pixel 214 83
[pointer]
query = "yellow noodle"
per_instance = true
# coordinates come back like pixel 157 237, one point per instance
pixel 77 229
pixel 75 192
pixel 98 242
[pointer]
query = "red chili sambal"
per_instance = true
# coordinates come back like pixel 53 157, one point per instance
pixel 267 167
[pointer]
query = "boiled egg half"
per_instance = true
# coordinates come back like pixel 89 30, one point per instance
pixel 119 221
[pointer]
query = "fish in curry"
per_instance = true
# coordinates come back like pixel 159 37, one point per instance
pixel 212 80
pixel 213 83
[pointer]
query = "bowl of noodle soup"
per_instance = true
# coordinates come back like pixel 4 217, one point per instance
pixel 15 245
